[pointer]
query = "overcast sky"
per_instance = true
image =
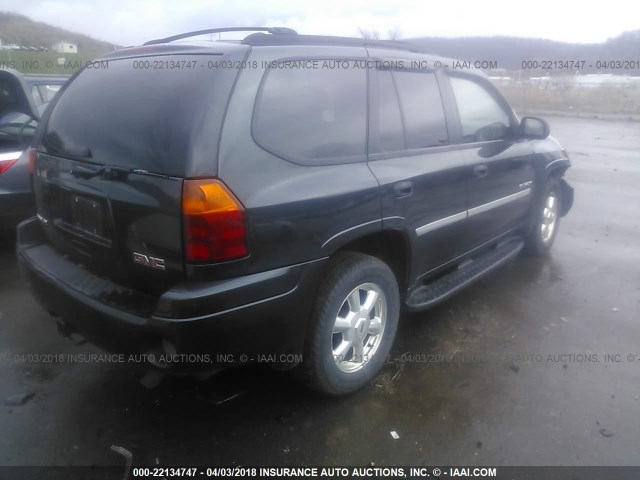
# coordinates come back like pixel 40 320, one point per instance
pixel 131 22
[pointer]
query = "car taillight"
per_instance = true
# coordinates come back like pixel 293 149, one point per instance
pixel 214 222
pixel 7 160
pixel 33 154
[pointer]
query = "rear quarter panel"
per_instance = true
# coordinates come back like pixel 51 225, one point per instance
pixel 296 213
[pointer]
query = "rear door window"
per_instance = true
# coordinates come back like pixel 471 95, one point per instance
pixel 410 114
pixel 422 110
pixel 312 116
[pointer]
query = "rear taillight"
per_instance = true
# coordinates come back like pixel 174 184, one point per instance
pixel 33 154
pixel 214 222
pixel 7 160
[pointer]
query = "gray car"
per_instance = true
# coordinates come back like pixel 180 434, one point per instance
pixel 23 99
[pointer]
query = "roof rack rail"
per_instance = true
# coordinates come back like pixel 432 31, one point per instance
pixel 273 30
pixel 260 39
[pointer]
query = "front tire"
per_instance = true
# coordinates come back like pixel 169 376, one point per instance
pixel 545 229
pixel 352 326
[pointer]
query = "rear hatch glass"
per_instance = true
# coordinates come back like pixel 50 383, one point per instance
pixel 113 154
pixel 135 112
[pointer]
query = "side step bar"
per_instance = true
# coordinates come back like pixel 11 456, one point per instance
pixel 426 296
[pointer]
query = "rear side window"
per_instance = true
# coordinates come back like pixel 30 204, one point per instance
pixel 481 116
pixel 137 113
pixel 312 116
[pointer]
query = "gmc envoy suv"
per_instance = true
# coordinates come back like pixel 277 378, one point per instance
pixel 281 197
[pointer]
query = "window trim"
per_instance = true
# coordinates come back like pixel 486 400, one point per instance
pixel 320 162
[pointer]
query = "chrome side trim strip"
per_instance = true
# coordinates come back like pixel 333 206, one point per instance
pixel 441 223
pixel 499 202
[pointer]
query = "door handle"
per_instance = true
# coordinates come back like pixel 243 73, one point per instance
pixel 403 189
pixel 481 170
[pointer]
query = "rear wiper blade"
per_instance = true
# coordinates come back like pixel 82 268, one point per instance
pixel 107 172
pixel 141 171
pixel 112 172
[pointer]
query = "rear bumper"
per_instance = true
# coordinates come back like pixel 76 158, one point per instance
pixel 258 317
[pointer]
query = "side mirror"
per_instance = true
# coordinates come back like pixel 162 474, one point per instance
pixel 534 128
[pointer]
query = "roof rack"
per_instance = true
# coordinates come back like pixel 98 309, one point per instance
pixel 260 39
pixel 272 30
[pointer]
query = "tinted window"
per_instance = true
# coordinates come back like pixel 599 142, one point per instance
pixel 422 109
pixel 47 92
pixel 133 116
pixel 481 116
pixel 12 98
pixel 42 95
pixel 312 116
pixel 390 134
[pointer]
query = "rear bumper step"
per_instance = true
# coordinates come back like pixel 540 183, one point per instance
pixel 427 296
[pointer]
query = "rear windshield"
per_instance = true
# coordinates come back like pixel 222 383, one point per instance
pixel 135 112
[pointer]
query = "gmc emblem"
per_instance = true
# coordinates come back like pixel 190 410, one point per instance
pixel 146 261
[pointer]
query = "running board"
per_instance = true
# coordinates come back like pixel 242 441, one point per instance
pixel 426 296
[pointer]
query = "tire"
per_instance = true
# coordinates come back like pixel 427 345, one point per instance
pixel 547 222
pixel 354 285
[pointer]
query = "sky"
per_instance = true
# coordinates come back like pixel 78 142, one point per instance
pixel 132 22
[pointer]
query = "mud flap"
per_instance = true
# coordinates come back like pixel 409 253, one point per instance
pixel 567 197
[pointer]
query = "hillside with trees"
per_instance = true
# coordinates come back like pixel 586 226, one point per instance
pixel 20 30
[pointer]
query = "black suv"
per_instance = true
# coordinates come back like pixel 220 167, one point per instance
pixel 278 199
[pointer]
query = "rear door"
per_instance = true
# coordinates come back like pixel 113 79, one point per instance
pixel 421 176
pixel 500 169
pixel 116 147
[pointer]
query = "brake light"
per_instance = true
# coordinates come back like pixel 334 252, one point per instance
pixel 7 160
pixel 214 222
pixel 33 154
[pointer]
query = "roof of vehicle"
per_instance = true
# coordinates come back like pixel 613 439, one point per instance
pixel 273 37
pixel 177 48
pixel 261 36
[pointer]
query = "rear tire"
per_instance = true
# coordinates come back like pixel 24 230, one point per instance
pixel 545 229
pixel 352 326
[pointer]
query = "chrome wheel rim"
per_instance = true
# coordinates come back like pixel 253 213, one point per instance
pixel 359 327
pixel 549 218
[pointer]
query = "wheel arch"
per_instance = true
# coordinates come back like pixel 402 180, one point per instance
pixel 556 170
pixel 389 245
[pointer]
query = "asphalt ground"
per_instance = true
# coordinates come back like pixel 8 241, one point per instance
pixel 537 364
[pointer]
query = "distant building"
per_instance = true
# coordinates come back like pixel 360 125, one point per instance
pixel 606 80
pixel 64 47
